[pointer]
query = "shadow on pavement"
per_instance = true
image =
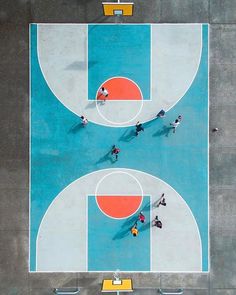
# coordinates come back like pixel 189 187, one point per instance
pixel 128 135
pixel 107 157
pixel 128 225
pixel 144 227
pixel 76 127
pixel 91 105
pixel 150 123
pixel 165 131
pixel 121 234
pixel 146 207
pixel 130 221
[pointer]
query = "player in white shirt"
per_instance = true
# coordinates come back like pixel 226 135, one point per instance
pixel 103 92
pixel 175 124
pixel 84 121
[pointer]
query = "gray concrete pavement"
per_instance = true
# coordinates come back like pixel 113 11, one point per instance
pixel 14 18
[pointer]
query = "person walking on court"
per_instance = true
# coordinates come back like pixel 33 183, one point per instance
pixel 139 127
pixel 175 124
pixel 84 121
pixel 141 217
pixel 103 92
pixel 134 230
pixel 162 201
pixel 180 117
pixel 157 222
pixel 115 151
pixel 161 114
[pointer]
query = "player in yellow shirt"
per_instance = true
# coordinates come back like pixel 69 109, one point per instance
pixel 134 230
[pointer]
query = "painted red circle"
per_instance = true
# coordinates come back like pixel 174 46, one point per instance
pixel 119 206
pixel 121 89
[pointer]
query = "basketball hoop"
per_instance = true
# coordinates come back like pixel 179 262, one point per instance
pixel 118 9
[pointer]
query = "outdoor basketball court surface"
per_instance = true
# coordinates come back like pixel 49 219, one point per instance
pixel 83 202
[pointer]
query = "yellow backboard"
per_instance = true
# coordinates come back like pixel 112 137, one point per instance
pixel 111 286
pixel 121 8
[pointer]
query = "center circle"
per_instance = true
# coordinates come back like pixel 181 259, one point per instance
pixel 118 201
pixel 123 103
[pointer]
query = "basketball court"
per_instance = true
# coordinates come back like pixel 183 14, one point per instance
pixel 83 202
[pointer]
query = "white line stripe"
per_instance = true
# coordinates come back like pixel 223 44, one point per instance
pixel 129 171
pixel 208 167
pixel 124 24
pixel 119 172
pixel 150 95
pixel 30 53
pixel 86 230
pixel 150 213
pixel 87 60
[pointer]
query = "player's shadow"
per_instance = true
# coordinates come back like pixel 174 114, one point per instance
pixel 76 128
pixel 121 234
pixel 107 157
pixel 144 226
pixel 91 105
pixel 150 123
pixel 128 135
pixel 76 66
pixel 156 203
pixel 80 65
pixel 126 232
pixel 146 207
pixel 130 221
pixel 165 131
pixel 100 102
pixel 125 228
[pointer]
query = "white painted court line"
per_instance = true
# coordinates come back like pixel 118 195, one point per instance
pixel 151 186
pixel 113 194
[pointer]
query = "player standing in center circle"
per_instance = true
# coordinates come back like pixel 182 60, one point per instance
pixel 103 92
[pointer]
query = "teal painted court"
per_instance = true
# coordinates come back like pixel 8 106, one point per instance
pixel 64 152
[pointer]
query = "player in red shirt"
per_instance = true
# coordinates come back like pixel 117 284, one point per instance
pixel 115 151
pixel 141 217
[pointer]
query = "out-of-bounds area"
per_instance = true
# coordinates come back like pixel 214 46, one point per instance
pixel 84 201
